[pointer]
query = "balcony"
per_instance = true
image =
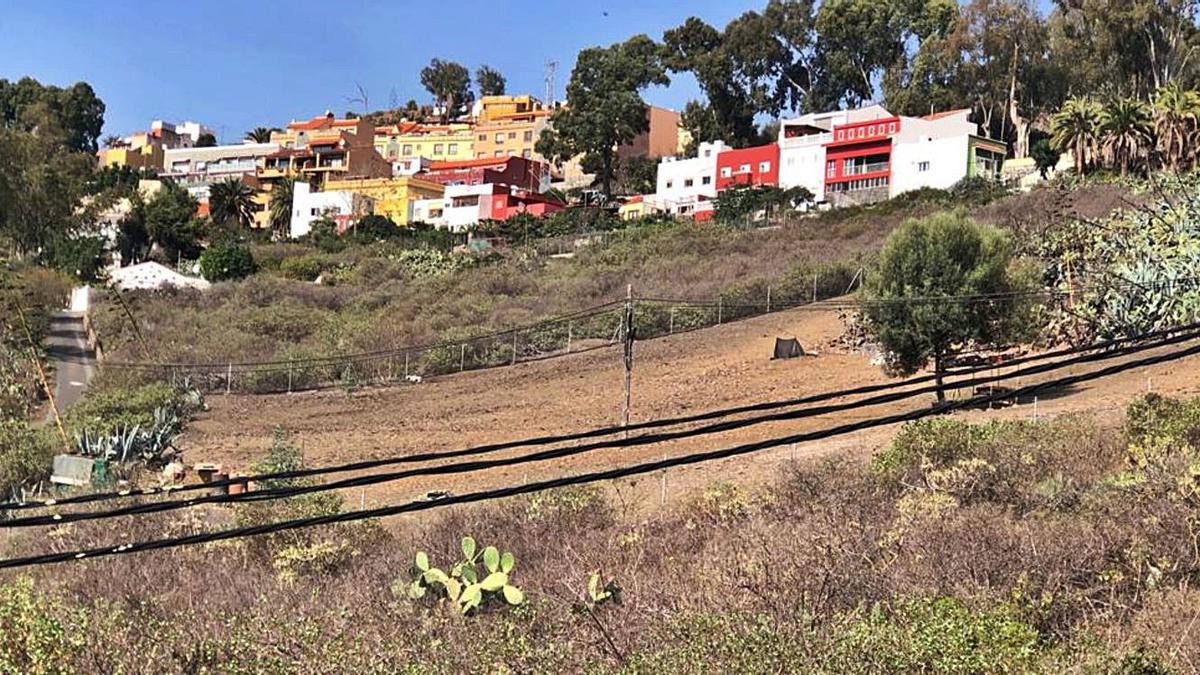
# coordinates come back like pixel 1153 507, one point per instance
pixel 806 141
pixel 860 169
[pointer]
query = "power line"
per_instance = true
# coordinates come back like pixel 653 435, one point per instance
pixel 579 479
pixel 613 430
pixel 570 451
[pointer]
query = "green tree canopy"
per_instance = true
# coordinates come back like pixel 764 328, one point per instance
pixel 227 260
pixel 450 85
pixel 171 223
pixel 604 105
pixel 490 81
pixel 942 255
pixel 74 115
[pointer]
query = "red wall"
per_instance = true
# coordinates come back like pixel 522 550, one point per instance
pixel 734 159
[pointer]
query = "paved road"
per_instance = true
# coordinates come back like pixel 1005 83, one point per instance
pixel 74 363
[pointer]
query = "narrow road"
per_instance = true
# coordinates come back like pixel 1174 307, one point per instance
pixel 74 363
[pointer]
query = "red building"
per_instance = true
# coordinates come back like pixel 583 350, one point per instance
pixel 860 156
pixel 748 166
pixel 506 203
pixel 517 172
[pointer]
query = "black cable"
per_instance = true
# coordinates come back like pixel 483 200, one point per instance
pixel 593 433
pixel 570 451
pixel 609 474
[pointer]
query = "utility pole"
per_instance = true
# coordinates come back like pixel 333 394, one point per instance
pixel 629 338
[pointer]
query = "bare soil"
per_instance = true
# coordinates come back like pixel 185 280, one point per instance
pixel 718 367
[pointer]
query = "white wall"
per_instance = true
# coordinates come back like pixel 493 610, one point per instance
pixel 459 218
pixel 925 162
pixel 802 163
pixel 308 206
pixel 674 174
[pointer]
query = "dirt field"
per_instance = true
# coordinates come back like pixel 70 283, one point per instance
pixel 714 368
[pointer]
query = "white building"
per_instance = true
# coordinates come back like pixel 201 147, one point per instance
pixel 686 181
pixel 465 205
pixel 341 205
pixel 150 276
pixel 198 168
pixel 939 150
pixel 802 146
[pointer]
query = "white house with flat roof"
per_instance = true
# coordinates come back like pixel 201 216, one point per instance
pixel 685 181
pixel 343 206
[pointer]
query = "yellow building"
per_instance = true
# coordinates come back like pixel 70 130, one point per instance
pixel 140 152
pixel 489 108
pixel 436 142
pixel 393 197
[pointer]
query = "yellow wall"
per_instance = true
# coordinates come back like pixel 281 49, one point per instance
pixel 144 157
pixel 393 196
pixel 454 145
pixel 491 107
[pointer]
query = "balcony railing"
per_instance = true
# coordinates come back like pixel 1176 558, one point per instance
pixel 859 169
pixel 802 141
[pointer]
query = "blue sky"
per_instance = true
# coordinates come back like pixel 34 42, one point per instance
pixel 237 65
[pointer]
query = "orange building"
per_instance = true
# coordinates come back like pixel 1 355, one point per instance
pixel 661 140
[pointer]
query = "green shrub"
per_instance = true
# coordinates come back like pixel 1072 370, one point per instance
pixel 227 260
pixel 301 268
pixel 108 410
pixel 26 455
pixel 943 635
pixel 36 638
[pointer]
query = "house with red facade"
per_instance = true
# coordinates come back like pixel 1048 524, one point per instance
pixel 858 159
pixel 527 174
pixel 757 166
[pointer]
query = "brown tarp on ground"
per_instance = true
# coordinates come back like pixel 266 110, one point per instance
pixel 787 348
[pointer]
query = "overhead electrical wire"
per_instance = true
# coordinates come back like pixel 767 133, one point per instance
pixel 600 432
pixel 580 479
pixel 570 451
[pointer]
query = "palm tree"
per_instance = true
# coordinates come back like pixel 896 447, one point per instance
pixel 1126 130
pixel 231 201
pixel 261 134
pixel 281 208
pixel 1176 113
pixel 1075 127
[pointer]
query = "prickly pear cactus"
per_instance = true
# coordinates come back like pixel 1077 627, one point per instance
pixel 467 585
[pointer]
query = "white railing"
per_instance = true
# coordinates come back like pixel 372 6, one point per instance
pixel 859 169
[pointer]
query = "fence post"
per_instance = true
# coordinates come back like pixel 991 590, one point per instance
pixel 514 354
pixel 569 336
pixel 462 357
pixel 406 366
pixel 629 338
pixel 229 379
pixel 671 325
pixel 814 299
pixel 289 377
pixel 720 308
pixel 768 299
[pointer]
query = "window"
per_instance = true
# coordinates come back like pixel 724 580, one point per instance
pixel 482 137
pixel 708 152
pixel 453 149
pixel 498 153
pixel 764 167
pixel 670 184
pixel 528 136
pixel 438 148
pixel 499 137
pixel 871 130
pixel 313 212
pixel 891 127
pixel 706 180
pixel 745 168
pixel 688 182
pixel 841 134
pixel 512 135
pixel 831 169
pixel 860 132
pixel 726 172
pixel 407 150
pixel 847 167
pixel 922 166
pixel 527 153
pixel 480 155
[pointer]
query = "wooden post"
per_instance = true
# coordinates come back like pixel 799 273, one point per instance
pixel 289 377
pixel 462 357
pixel 814 297
pixel 629 338
pixel 229 379
pixel 720 308
pixel 569 336
pixel 405 366
pixel 514 354
pixel 768 299
pixel 671 325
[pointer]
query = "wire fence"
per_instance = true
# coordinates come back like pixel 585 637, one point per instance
pixel 587 330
